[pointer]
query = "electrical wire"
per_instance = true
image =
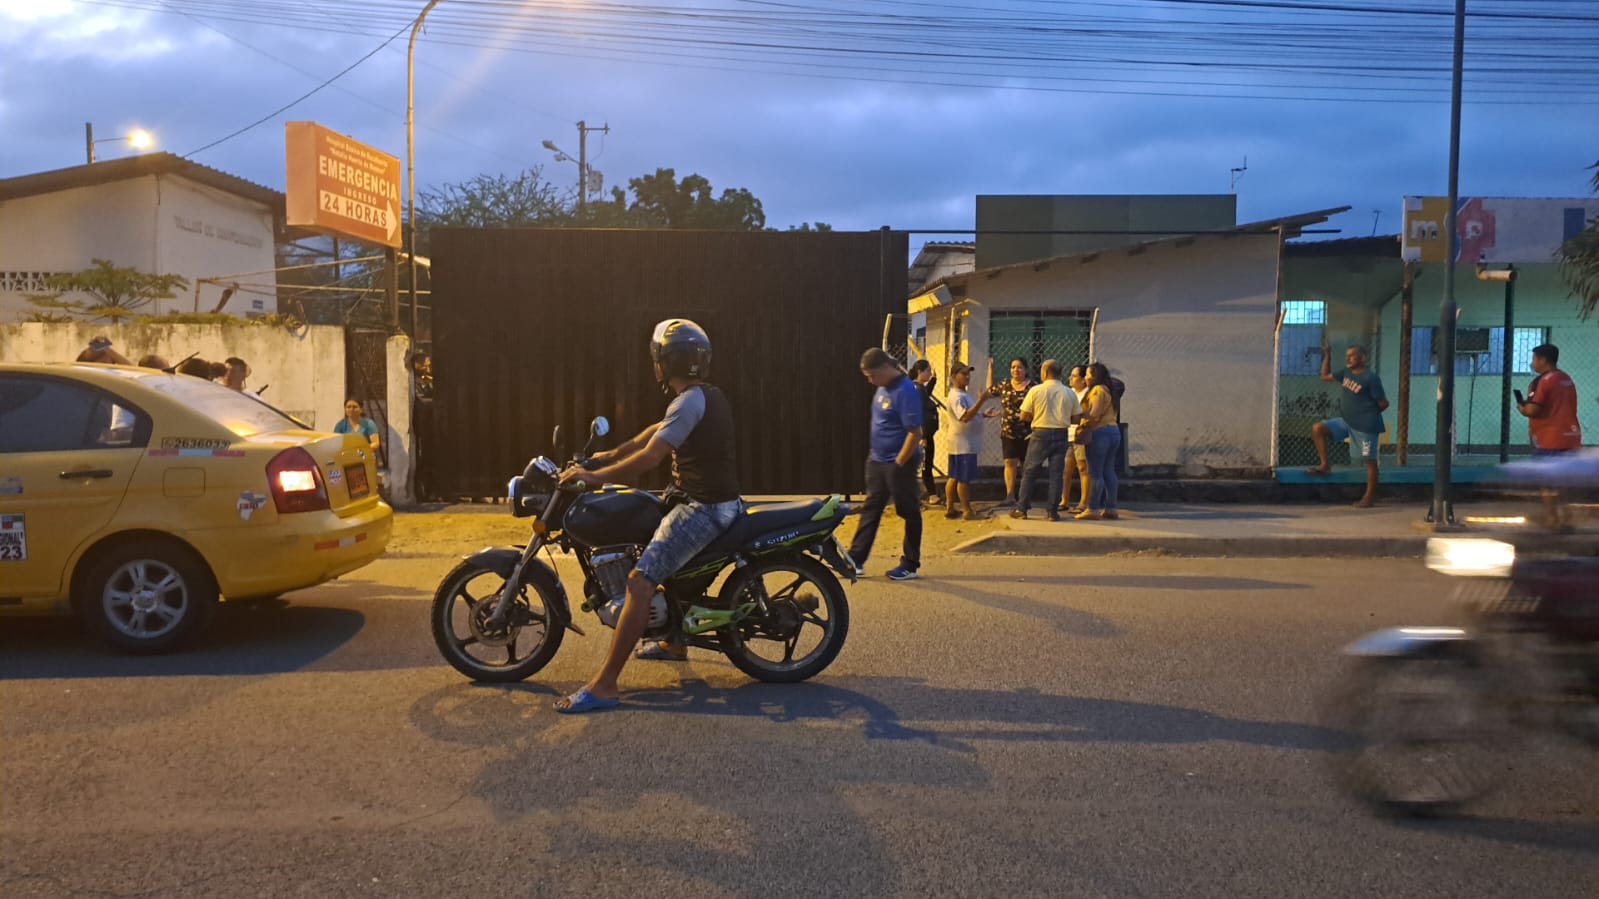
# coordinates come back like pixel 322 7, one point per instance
pixel 296 101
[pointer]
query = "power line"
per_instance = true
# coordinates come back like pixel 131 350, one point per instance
pixel 295 102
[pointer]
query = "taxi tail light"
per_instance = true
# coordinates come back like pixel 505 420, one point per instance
pixel 296 483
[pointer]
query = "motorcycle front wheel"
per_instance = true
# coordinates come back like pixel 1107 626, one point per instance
pixel 461 629
pixel 801 632
pixel 1424 735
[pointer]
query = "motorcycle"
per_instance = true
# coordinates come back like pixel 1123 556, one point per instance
pixel 1433 712
pixel 780 614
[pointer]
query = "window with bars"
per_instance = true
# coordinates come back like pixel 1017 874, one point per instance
pixel 1062 335
pixel 1299 340
pixel 1470 356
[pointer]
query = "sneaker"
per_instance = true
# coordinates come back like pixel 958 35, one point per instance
pixel 1018 513
pixel 901 573
pixel 1053 515
pixel 859 571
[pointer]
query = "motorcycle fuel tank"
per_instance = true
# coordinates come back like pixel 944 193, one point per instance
pixel 614 516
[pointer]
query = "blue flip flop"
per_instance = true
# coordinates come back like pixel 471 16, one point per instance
pixel 584 701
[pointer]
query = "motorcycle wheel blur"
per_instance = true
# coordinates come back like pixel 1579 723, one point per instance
pixel 461 608
pixel 804 629
pixel 1425 736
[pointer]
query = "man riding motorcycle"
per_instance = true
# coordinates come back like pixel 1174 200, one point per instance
pixel 697 431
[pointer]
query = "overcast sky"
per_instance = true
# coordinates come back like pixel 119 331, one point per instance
pixel 859 113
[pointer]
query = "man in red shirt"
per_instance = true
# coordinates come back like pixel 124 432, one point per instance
pixel 1551 414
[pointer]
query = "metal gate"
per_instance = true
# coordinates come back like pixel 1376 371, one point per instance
pixel 366 380
pixel 537 328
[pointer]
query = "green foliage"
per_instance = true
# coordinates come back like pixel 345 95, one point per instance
pixel 1579 260
pixel 51 309
pixel 656 200
pixel 114 292
pixel 807 226
pixel 200 318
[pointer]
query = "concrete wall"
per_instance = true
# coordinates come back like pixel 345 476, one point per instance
pixel 159 224
pixel 1542 300
pixel 1190 329
pixel 303 372
pixel 1114 216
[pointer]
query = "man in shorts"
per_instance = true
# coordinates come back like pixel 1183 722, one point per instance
pixel 1360 403
pixel 965 440
pixel 697 433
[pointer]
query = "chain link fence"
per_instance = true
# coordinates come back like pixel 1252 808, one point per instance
pixel 1488 426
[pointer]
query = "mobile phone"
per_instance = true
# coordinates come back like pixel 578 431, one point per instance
pixel 1520 400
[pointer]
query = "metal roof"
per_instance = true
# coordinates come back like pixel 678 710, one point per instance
pixel 1290 225
pixel 129 167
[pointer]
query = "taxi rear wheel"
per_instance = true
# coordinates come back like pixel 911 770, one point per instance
pixel 147 596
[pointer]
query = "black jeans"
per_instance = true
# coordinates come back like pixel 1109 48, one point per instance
pixel 927 466
pixel 885 480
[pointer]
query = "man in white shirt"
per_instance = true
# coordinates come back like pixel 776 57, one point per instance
pixel 965 440
pixel 1051 408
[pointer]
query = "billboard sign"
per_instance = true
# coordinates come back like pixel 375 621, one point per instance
pixel 337 185
pixel 1493 229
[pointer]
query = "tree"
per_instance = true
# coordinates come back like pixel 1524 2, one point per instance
pixel 661 201
pixel 115 292
pixel 492 201
pixel 1579 260
pixel 807 226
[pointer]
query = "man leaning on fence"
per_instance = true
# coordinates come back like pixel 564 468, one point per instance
pixel 1360 405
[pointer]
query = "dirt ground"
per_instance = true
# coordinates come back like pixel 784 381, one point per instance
pixel 458 529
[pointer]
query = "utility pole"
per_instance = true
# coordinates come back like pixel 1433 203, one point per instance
pixel 583 158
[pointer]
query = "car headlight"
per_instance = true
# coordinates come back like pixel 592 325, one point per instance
pixel 1470 557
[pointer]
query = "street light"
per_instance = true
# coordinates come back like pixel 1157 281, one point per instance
pixel 410 165
pixel 582 176
pixel 138 137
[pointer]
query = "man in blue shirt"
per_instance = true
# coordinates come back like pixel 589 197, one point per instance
pixel 896 443
pixel 1361 403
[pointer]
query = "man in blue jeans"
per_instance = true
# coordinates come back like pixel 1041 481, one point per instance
pixel 896 443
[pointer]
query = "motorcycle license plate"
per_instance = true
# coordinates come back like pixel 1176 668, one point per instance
pixel 355 477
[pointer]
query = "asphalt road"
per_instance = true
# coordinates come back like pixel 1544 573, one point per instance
pixel 1116 727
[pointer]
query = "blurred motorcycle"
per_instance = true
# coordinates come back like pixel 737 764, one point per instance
pixel 1432 712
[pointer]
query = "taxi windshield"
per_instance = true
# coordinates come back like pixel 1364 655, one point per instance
pixel 244 414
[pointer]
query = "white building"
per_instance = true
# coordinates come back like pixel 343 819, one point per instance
pixel 1188 322
pixel 158 213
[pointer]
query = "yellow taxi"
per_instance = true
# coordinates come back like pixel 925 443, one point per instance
pixel 137 499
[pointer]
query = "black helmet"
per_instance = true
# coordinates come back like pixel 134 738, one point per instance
pixel 681 348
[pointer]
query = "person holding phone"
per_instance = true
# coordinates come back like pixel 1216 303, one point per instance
pixel 1551 413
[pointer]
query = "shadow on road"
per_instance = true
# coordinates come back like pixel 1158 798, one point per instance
pixel 269 637
pixel 892 709
pixel 1572 837
pixel 1129 581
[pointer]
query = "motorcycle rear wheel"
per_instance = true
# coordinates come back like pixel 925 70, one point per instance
pixel 1425 735
pixel 461 607
pixel 803 629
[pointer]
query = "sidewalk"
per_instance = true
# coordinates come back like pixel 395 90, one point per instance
pixel 1265 531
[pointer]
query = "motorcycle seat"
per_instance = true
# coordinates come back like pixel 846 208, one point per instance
pixel 764 518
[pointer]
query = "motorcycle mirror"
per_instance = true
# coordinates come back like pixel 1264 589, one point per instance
pixel 555 441
pixel 600 427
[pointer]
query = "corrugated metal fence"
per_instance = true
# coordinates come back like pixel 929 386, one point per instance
pixel 537 328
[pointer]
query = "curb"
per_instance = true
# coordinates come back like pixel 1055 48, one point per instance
pixel 1200 547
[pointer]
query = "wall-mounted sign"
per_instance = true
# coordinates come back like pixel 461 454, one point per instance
pixel 1493 229
pixel 338 185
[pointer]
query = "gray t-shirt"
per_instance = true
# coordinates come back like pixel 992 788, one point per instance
pixel 684 413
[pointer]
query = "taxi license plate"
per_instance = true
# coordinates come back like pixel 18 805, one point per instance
pixel 355 478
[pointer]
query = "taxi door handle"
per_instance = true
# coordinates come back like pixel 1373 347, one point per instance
pixel 86 473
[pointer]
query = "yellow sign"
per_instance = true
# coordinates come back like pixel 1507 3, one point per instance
pixel 339 185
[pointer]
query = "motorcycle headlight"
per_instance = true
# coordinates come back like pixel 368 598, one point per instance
pixel 1470 557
